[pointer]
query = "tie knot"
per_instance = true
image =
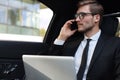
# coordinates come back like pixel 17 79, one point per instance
pixel 88 40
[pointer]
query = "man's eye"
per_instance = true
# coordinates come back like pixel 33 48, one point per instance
pixel 83 14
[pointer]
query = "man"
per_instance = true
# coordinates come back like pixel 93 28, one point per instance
pixel 103 57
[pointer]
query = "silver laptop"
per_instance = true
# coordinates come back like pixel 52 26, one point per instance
pixel 49 67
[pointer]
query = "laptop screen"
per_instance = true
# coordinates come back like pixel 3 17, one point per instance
pixel 39 67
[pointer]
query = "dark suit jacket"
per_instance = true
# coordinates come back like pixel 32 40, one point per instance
pixel 105 63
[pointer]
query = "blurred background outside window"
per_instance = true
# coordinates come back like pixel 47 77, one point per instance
pixel 24 20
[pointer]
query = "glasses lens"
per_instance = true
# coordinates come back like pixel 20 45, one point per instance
pixel 81 15
pixel 76 15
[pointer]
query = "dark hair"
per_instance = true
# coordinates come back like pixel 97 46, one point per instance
pixel 95 7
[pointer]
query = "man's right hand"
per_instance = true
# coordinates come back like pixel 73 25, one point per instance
pixel 66 31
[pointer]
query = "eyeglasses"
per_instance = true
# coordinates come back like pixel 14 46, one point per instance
pixel 81 15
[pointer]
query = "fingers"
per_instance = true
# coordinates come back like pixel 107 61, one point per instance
pixel 68 24
pixel 70 21
pixel 74 31
pixel 66 30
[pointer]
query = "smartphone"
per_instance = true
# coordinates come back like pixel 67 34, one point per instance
pixel 74 25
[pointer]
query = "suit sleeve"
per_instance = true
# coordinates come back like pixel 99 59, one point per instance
pixel 56 50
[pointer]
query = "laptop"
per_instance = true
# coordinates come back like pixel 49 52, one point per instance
pixel 39 67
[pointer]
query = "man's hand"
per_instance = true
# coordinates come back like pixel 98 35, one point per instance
pixel 66 31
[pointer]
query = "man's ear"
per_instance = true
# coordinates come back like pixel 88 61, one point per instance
pixel 97 17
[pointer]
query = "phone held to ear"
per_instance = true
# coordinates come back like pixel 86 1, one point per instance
pixel 74 25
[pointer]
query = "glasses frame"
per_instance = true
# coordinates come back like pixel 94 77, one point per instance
pixel 81 15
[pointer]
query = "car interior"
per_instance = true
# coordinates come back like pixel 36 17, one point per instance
pixel 11 65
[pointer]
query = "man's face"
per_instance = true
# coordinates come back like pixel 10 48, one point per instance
pixel 85 19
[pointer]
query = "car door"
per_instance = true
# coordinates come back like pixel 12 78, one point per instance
pixel 22 31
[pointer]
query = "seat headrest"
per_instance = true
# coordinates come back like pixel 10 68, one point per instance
pixel 109 25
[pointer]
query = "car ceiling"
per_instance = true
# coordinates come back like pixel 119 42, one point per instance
pixel 68 6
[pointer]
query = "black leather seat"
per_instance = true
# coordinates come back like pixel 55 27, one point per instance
pixel 109 25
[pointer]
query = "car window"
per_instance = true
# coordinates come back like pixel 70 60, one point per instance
pixel 24 20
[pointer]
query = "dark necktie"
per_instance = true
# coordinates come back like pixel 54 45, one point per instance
pixel 83 61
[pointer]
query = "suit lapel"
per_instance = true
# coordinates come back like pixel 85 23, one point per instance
pixel 72 44
pixel 97 51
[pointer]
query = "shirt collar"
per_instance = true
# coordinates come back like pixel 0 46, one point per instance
pixel 94 37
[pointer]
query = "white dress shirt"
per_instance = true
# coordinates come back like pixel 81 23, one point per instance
pixel 78 54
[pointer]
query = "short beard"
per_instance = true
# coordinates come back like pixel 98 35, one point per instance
pixel 86 30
